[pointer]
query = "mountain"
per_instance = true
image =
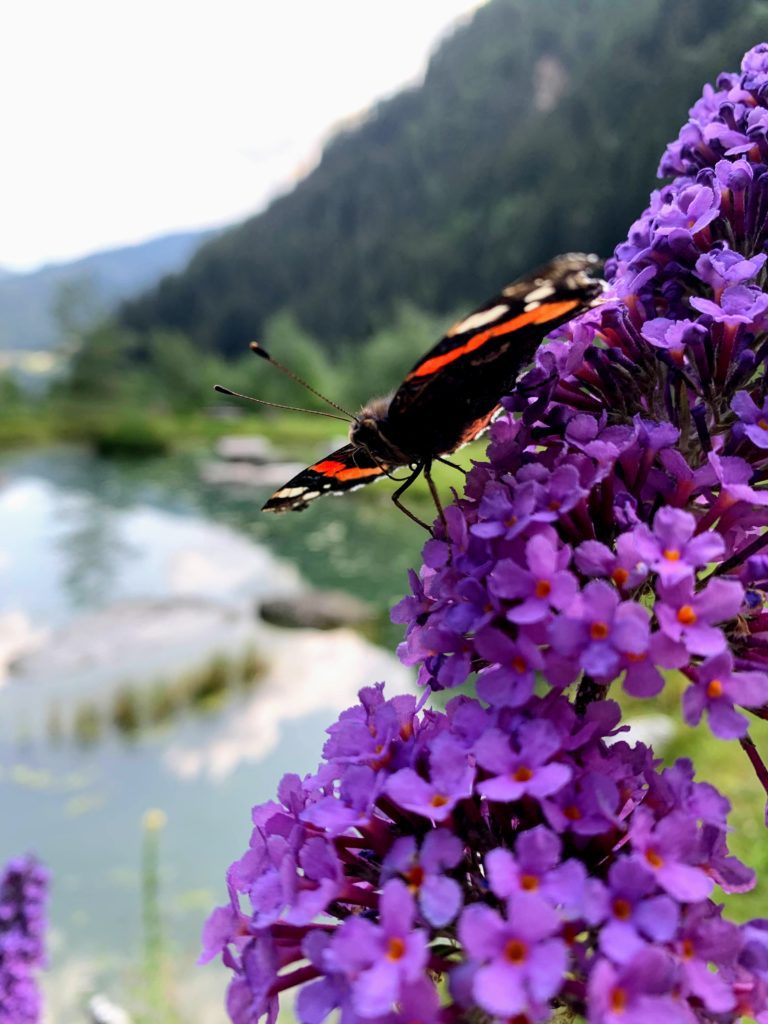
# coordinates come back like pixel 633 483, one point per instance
pixel 537 129
pixel 37 309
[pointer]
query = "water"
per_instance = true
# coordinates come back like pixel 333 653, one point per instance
pixel 112 572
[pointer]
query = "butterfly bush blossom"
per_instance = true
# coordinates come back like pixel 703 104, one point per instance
pixel 23 892
pixel 511 854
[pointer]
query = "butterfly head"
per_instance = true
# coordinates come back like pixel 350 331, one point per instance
pixel 368 430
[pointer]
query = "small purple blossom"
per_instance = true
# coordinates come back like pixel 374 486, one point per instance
pixel 716 688
pixel 521 960
pixel 671 550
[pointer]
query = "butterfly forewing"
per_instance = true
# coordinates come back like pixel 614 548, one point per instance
pixel 452 392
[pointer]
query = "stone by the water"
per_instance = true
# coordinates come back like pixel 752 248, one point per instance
pixel 316 609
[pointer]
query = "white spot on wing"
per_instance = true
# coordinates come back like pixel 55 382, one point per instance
pixel 538 295
pixel 485 316
pixel 289 492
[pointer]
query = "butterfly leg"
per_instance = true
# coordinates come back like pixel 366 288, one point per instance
pixel 433 490
pixel 453 465
pixel 404 487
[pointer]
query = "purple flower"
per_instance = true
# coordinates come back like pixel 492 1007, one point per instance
pixel 706 939
pixel 23 894
pixel 545 584
pixel 526 770
pixel 722 267
pixel 598 629
pixel 665 849
pixel 636 914
pixel 424 871
pixel 753 416
pixel 514 664
pixel 690 617
pixel 739 304
pixel 673 336
pixel 624 566
pixel 717 688
pixel 450 780
pixel 380 960
pixel 639 992
pixel 522 963
pixel 537 867
pixel 671 549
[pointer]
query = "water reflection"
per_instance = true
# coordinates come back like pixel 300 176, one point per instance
pixel 119 578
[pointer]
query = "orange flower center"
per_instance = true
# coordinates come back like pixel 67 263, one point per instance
pixel 763 424
pixel 622 909
pixel 529 883
pixel 519 664
pixel 543 588
pixel 618 1000
pixel 523 774
pixel 396 948
pixel 686 616
pixel 688 949
pixel 653 858
pixel 599 630
pixel 672 554
pixel 415 876
pixel 714 689
pixel 438 800
pixel 630 656
pixel 515 951
pixel 572 812
pixel 620 576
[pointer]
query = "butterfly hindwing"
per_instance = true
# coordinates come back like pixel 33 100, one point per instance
pixel 343 470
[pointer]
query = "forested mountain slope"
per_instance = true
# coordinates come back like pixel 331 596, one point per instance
pixel 537 129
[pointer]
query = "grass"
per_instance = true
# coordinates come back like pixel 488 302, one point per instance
pixel 136 708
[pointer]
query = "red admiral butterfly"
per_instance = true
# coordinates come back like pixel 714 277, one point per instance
pixel 452 393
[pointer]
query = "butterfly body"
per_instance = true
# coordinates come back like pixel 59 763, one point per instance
pixel 452 393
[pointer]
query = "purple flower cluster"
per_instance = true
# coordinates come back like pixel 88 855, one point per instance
pixel 23 891
pixel 512 854
pixel 526 856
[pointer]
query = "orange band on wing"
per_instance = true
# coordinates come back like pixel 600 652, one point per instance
pixel 330 467
pixel 339 471
pixel 540 315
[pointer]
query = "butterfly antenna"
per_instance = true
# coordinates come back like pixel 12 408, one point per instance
pixel 275 405
pixel 259 350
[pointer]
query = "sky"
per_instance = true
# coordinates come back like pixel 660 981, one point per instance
pixel 121 121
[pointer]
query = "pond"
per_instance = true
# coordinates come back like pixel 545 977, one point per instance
pixel 115 578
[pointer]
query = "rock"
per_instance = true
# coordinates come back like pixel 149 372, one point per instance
pixel 316 609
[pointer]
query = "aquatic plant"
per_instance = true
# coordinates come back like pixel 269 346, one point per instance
pixel 511 854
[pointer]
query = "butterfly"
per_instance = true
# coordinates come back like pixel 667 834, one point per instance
pixel 453 392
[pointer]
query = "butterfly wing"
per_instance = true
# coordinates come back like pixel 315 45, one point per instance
pixel 452 392
pixel 343 470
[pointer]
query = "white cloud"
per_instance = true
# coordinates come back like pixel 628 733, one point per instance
pixel 120 121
